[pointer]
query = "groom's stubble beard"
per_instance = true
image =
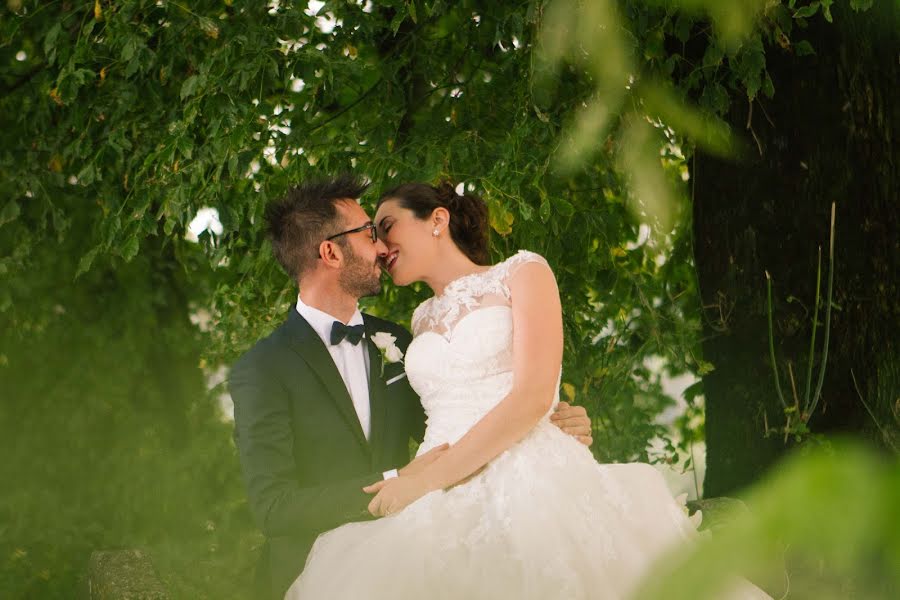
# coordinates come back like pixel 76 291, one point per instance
pixel 357 277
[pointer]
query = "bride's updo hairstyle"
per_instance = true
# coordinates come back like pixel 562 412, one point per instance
pixel 468 214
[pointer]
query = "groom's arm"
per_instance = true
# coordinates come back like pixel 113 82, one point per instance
pixel 264 438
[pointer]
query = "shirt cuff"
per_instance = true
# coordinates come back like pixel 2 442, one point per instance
pixel 390 474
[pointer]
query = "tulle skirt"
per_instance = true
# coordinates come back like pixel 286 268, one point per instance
pixel 544 520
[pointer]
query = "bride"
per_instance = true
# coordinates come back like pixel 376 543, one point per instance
pixel 495 516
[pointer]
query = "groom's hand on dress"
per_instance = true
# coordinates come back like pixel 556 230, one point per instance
pixel 573 420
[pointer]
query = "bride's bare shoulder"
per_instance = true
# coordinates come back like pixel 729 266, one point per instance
pixel 523 259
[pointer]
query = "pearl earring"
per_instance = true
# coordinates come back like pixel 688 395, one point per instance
pixel 435 233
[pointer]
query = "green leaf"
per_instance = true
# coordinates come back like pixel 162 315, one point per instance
pixel 397 21
pixel 783 19
pixel 85 263
pixel 713 56
pixel 60 222
pixel 715 97
pixel 693 391
pixel 752 84
pixel 804 48
pixel 564 207
pixel 768 88
pixel 750 67
pixel 806 12
pixel 526 211
pixel 86 175
pixel 10 212
pixel 129 48
pixel 112 227
pixel 133 67
pixel 545 211
pixel 861 5
pixel 705 367
pixel 501 219
pixel 130 249
pixel 50 42
pixel 683 25
pixel 654 45
pixel 189 86
pixel 185 147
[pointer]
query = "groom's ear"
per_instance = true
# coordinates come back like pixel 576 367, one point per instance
pixel 330 254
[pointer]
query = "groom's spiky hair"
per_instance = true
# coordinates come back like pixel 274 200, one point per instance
pixel 300 221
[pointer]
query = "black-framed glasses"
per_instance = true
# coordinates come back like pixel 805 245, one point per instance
pixel 370 226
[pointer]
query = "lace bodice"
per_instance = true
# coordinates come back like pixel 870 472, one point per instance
pixel 440 314
pixel 460 361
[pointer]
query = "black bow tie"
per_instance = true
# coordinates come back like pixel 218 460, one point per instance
pixel 352 333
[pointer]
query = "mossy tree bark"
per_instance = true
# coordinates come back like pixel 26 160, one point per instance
pixel 828 135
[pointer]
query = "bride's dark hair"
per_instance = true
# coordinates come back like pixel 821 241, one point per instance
pixel 468 214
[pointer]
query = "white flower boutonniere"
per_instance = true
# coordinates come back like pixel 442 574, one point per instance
pixel 390 353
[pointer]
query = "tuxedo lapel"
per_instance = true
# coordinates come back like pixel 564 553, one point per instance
pixel 304 340
pixel 377 389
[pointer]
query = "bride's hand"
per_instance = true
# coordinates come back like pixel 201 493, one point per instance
pixel 393 495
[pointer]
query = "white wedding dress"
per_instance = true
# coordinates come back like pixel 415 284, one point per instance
pixel 542 521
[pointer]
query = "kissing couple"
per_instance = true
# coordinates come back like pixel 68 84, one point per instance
pixel 503 498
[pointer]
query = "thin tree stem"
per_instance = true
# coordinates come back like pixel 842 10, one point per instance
pixel 812 340
pixel 821 382
pixel 772 341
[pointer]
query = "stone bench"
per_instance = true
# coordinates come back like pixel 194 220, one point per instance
pixel 717 512
pixel 128 574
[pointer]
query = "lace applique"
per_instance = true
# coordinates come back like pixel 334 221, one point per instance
pixel 468 293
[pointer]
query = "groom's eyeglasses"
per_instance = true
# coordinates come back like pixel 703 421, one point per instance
pixel 373 232
pixel 370 226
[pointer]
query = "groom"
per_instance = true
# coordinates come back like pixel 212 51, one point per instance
pixel 317 415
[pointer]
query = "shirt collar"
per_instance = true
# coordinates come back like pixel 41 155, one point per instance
pixel 321 321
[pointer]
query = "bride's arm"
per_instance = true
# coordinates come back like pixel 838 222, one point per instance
pixel 537 356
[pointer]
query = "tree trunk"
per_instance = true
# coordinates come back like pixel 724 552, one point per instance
pixel 827 136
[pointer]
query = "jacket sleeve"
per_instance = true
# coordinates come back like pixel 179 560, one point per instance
pixel 264 438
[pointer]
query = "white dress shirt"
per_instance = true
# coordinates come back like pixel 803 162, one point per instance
pixel 352 362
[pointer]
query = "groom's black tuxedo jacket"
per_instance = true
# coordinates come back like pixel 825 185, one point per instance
pixel 303 453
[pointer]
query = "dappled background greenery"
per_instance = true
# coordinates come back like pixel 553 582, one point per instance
pixel 580 123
